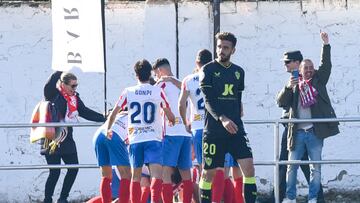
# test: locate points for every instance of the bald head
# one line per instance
(307, 69)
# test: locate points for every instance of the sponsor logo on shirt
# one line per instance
(141, 130)
(228, 90)
(199, 117)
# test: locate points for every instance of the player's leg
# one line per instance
(136, 152)
(105, 184)
(228, 193)
(205, 185)
(197, 141)
(145, 184)
(156, 182)
(213, 157)
(135, 188)
(170, 151)
(124, 187)
(103, 158)
(153, 157)
(218, 184)
(241, 151)
(196, 178)
(238, 184)
(184, 165)
(119, 156)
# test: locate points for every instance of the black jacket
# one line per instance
(51, 93)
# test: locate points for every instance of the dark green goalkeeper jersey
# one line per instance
(222, 88)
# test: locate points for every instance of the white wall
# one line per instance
(137, 30)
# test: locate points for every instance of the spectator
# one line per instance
(282, 168)
(61, 90)
(306, 97)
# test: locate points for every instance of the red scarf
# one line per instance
(307, 93)
(72, 104)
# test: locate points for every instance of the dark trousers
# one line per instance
(55, 173)
(282, 171)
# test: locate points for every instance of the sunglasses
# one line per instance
(287, 62)
(74, 86)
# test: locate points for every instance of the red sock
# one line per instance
(228, 191)
(167, 193)
(124, 190)
(238, 188)
(105, 190)
(155, 187)
(135, 190)
(187, 191)
(145, 193)
(234, 199)
(218, 186)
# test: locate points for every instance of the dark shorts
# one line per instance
(215, 148)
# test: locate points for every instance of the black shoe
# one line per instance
(48, 200)
(62, 201)
(320, 200)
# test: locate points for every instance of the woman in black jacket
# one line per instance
(60, 90)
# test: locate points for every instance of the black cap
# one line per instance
(293, 56)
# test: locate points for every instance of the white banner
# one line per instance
(77, 35)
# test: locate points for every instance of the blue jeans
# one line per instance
(305, 141)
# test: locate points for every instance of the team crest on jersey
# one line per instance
(217, 74)
(237, 75)
(208, 161)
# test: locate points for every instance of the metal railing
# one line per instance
(276, 162)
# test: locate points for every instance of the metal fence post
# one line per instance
(276, 158)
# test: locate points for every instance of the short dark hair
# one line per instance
(204, 56)
(152, 81)
(160, 62)
(143, 70)
(226, 36)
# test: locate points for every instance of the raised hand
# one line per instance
(324, 37)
